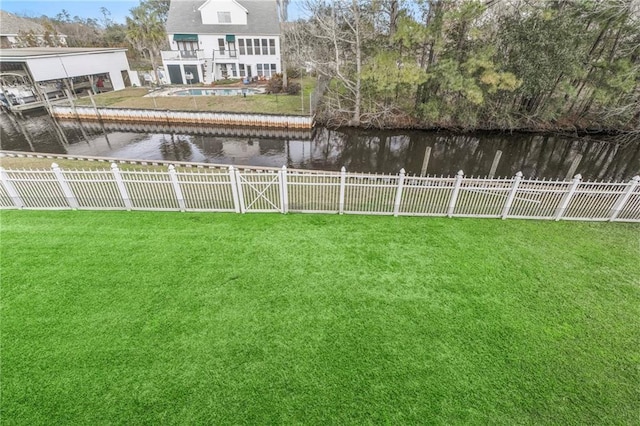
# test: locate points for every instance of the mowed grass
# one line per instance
(261, 103)
(169, 318)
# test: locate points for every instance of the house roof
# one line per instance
(11, 24)
(37, 52)
(262, 19)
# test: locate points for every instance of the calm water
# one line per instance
(478, 154)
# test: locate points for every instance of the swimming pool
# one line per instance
(216, 92)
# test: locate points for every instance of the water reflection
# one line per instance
(440, 153)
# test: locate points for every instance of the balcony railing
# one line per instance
(182, 55)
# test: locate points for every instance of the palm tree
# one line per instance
(146, 33)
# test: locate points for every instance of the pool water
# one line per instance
(215, 92)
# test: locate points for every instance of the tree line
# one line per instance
(493, 64)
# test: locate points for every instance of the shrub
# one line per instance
(275, 84)
(293, 88)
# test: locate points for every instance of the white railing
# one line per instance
(282, 190)
(182, 55)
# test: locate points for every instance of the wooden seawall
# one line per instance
(184, 117)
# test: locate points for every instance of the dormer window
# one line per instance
(224, 17)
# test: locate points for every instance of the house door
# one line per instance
(249, 71)
(175, 75)
(193, 70)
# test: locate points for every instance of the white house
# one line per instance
(218, 39)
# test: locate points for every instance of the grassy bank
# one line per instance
(131, 317)
(261, 103)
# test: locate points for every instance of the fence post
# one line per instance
(512, 195)
(284, 192)
(564, 203)
(234, 189)
(66, 189)
(619, 205)
(121, 187)
(176, 187)
(396, 204)
(343, 182)
(8, 186)
(243, 209)
(454, 194)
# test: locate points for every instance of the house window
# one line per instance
(221, 45)
(273, 69)
(265, 47)
(224, 17)
(234, 70)
(242, 71)
(249, 47)
(260, 73)
(241, 46)
(272, 46)
(256, 45)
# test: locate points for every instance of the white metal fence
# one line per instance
(269, 190)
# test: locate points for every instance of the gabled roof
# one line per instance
(11, 24)
(262, 19)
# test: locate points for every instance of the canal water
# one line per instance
(434, 153)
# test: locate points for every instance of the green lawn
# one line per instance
(154, 318)
(262, 103)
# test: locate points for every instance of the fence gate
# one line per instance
(261, 191)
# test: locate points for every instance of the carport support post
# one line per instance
(11, 191)
(454, 193)
(512, 195)
(66, 189)
(176, 187)
(123, 189)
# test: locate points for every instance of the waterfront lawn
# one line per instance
(262, 103)
(149, 318)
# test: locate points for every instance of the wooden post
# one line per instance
(121, 186)
(564, 203)
(284, 192)
(234, 189)
(243, 208)
(619, 205)
(454, 193)
(512, 195)
(396, 204)
(343, 181)
(11, 190)
(494, 165)
(176, 187)
(425, 161)
(64, 185)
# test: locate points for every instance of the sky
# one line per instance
(84, 8)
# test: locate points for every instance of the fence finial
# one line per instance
(171, 167)
(578, 176)
(284, 168)
(402, 171)
(636, 178)
(343, 169)
(460, 173)
(519, 174)
(114, 166)
(54, 165)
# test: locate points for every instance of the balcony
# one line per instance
(182, 55)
